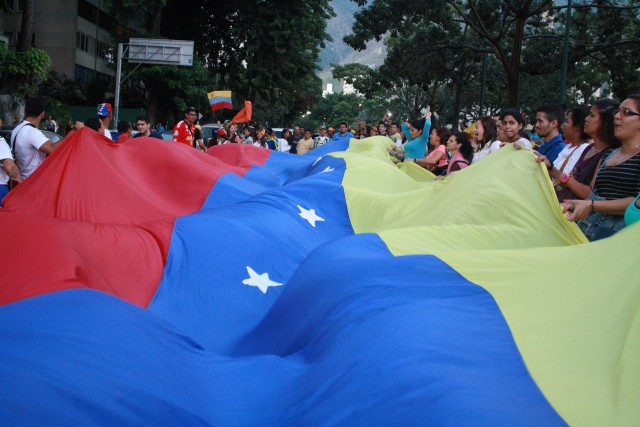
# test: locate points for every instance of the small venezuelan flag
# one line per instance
(219, 99)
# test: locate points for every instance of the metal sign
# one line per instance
(161, 51)
(151, 51)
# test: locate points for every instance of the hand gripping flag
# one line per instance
(243, 115)
(251, 287)
(219, 99)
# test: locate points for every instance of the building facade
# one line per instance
(73, 32)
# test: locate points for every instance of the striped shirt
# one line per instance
(619, 181)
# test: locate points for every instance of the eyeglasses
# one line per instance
(626, 112)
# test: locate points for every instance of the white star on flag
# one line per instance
(260, 281)
(317, 160)
(328, 169)
(309, 215)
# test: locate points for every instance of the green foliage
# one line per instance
(363, 78)
(175, 88)
(149, 9)
(335, 108)
(60, 87)
(439, 44)
(608, 41)
(94, 91)
(265, 51)
(19, 71)
(32, 62)
(59, 112)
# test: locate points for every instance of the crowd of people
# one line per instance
(295, 141)
(592, 153)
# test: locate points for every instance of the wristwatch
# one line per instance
(564, 178)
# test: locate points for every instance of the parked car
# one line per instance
(209, 130)
(5, 132)
(54, 137)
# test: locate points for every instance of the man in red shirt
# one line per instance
(184, 131)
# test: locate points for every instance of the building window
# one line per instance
(83, 74)
(89, 44)
(12, 38)
(97, 16)
(105, 52)
(85, 43)
(88, 11)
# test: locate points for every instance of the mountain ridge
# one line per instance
(338, 52)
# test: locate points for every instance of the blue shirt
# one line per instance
(552, 148)
(338, 137)
(416, 148)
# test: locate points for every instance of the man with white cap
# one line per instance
(322, 138)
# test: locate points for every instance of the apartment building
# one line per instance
(73, 32)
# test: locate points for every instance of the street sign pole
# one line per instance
(116, 107)
(150, 51)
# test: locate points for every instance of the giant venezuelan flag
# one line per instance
(151, 284)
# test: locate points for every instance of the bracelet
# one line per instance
(550, 167)
(591, 205)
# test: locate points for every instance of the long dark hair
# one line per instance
(578, 117)
(418, 124)
(605, 133)
(466, 148)
(260, 138)
(490, 131)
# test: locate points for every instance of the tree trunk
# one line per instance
(26, 32)
(513, 89)
(155, 20)
(513, 73)
(11, 106)
(460, 83)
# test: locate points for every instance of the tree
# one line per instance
(169, 89)
(63, 88)
(523, 35)
(22, 68)
(334, 108)
(605, 52)
(265, 51)
(411, 62)
(26, 30)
